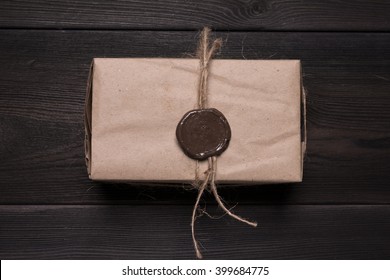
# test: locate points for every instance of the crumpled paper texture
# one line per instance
(138, 102)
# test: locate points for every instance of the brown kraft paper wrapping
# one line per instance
(133, 106)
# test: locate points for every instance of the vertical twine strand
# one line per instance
(205, 52)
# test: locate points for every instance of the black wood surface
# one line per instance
(50, 209)
(159, 232)
(296, 15)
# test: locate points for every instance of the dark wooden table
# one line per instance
(50, 209)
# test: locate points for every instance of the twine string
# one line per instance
(218, 198)
(205, 53)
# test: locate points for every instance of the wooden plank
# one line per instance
(42, 83)
(163, 232)
(271, 15)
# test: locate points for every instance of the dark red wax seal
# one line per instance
(203, 133)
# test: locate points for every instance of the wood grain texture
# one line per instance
(42, 87)
(49, 209)
(163, 232)
(287, 15)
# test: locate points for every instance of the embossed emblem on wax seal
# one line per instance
(203, 133)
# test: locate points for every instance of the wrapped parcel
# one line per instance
(134, 105)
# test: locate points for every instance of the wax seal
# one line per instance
(203, 133)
